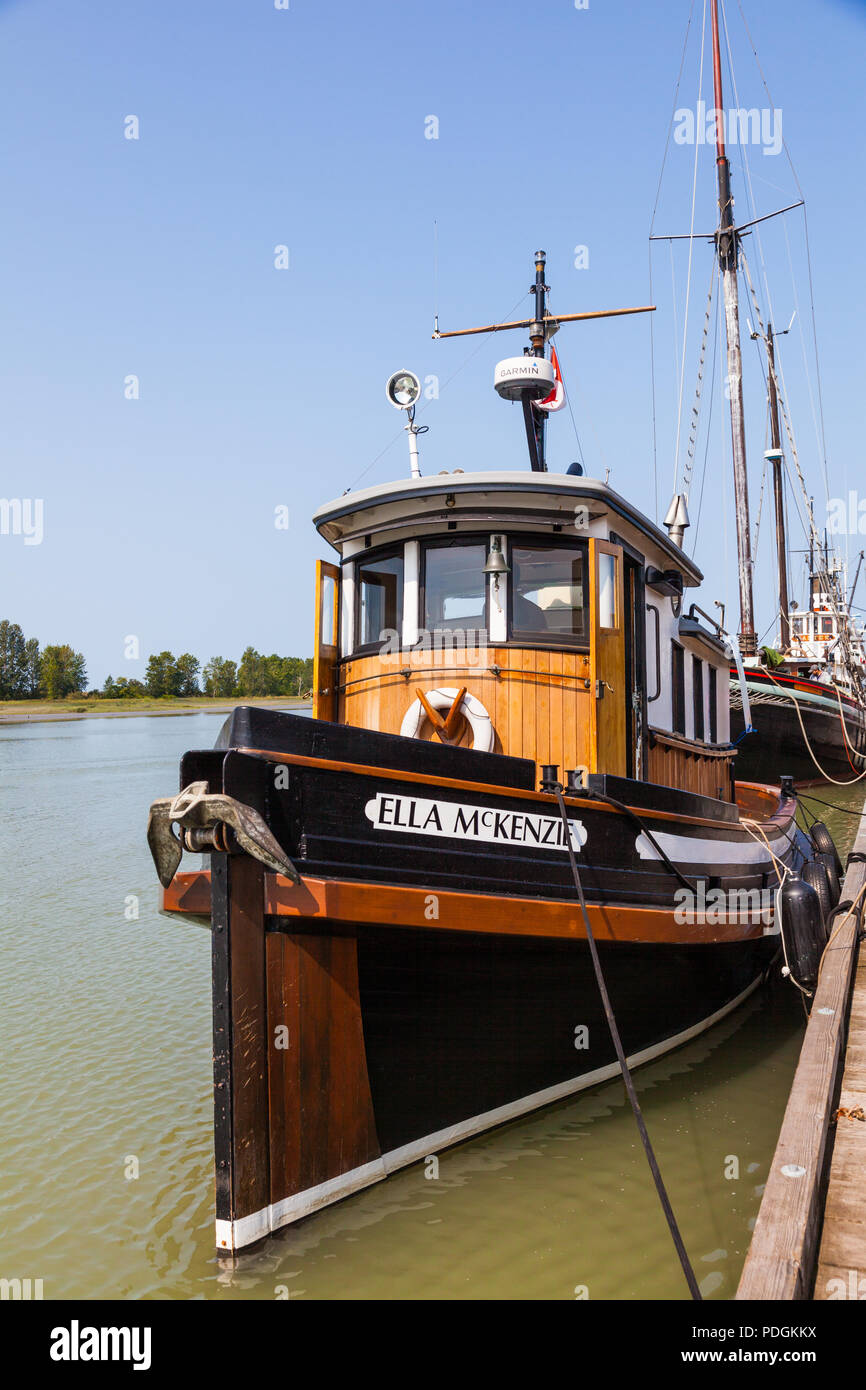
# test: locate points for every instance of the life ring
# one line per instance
(476, 716)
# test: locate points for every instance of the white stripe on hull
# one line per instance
(234, 1235)
(684, 849)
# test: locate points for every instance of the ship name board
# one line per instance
(455, 820)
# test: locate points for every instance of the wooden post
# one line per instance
(782, 1257)
(239, 1044)
(293, 1113)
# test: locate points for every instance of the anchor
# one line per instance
(210, 821)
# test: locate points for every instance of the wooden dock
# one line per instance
(810, 1233)
(842, 1255)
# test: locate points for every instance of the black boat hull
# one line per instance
(428, 976)
(780, 744)
(495, 1026)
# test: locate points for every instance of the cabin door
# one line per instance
(635, 666)
(326, 652)
(611, 692)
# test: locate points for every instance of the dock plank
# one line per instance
(783, 1254)
(842, 1256)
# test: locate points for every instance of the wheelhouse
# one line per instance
(547, 602)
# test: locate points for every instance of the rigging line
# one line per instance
(746, 169)
(676, 318)
(724, 440)
(808, 251)
(691, 256)
(760, 509)
(747, 174)
(422, 408)
(571, 411)
(768, 629)
(826, 776)
(769, 97)
(806, 368)
(764, 469)
(787, 537)
(653, 390)
(694, 426)
(436, 275)
(709, 424)
(672, 119)
(598, 444)
(848, 747)
(623, 1063)
(831, 805)
(811, 530)
(856, 906)
(650, 256)
(815, 350)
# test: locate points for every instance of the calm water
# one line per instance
(107, 1067)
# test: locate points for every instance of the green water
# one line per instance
(107, 1073)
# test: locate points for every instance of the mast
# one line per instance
(727, 244)
(535, 420)
(776, 460)
(854, 585)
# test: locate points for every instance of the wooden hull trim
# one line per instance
(232, 1236)
(337, 905)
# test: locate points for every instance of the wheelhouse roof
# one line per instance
(523, 496)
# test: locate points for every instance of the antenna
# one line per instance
(531, 378)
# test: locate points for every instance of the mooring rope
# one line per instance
(831, 806)
(856, 905)
(747, 825)
(827, 778)
(626, 1073)
(848, 745)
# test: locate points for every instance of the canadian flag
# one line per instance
(556, 399)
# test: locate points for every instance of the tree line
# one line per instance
(178, 677)
(30, 673)
(54, 672)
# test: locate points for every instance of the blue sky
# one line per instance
(262, 387)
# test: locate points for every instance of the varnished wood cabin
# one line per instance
(546, 602)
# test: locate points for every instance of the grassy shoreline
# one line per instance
(42, 711)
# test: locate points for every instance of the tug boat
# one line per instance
(399, 957)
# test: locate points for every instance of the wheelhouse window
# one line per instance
(380, 598)
(827, 625)
(548, 592)
(678, 688)
(698, 695)
(714, 705)
(455, 587)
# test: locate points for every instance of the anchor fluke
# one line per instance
(204, 819)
